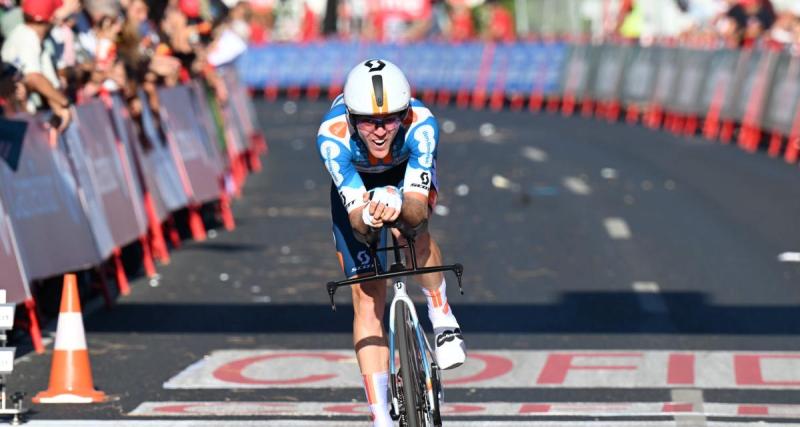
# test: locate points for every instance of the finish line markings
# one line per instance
(355, 423)
(628, 369)
(470, 409)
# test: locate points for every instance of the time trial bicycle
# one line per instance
(415, 386)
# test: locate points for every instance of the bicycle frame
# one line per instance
(401, 297)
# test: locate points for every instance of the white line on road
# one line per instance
(577, 186)
(695, 398)
(352, 423)
(650, 298)
(534, 154)
(686, 404)
(789, 257)
(617, 228)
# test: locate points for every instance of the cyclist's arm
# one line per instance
(422, 139)
(337, 158)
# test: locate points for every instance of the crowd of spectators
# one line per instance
(56, 53)
(731, 23)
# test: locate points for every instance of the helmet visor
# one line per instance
(368, 123)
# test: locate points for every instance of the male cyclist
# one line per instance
(376, 137)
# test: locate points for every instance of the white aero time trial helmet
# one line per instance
(376, 86)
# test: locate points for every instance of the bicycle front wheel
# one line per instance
(411, 372)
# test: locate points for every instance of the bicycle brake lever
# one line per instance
(459, 270)
(331, 291)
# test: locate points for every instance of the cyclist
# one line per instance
(376, 137)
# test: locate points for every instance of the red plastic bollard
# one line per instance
(225, 212)
(147, 258)
(158, 244)
(33, 325)
(632, 114)
(196, 224)
(587, 107)
(443, 99)
(496, 101)
(726, 133)
(792, 148)
(172, 231)
(690, 129)
(122, 278)
(775, 142)
(552, 104)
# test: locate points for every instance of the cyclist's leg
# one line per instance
(450, 348)
(369, 301)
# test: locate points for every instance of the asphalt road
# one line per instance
(611, 273)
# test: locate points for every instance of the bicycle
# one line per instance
(415, 388)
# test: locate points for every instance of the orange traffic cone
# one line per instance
(70, 374)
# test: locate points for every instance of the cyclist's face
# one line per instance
(378, 132)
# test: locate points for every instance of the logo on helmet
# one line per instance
(375, 65)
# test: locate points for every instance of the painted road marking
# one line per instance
(789, 257)
(617, 228)
(355, 423)
(697, 417)
(650, 298)
(577, 186)
(683, 409)
(534, 154)
(228, 369)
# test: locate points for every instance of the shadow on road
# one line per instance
(576, 313)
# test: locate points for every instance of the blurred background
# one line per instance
(732, 22)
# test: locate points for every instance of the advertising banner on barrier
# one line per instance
(610, 66)
(752, 98)
(238, 100)
(666, 78)
(736, 87)
(88, 180)
(43, 201)
(127, 136)
(577, 77)
(719, 79)
(195, 161)
(143, 175)
(160, 161)
(112, 169)
(692, 70)
(14, 282)
(208, 130)
(640, 76)
(784, 93)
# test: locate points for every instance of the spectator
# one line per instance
(12, 91)
(752, 19)
(24, 48)
(461, 24)
(499, 23)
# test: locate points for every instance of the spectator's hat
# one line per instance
(748, 3)
(40, 10)
(190, 8)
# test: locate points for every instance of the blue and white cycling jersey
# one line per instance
(346, 156)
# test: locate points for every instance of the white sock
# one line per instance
(439, 310)
(376, 387)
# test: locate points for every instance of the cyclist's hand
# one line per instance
(385, 206)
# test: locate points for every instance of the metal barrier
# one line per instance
(70, 202)
(686, 90)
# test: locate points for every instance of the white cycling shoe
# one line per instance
(450, 349)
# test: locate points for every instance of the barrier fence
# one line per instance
(748, 94)
(70, 202)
